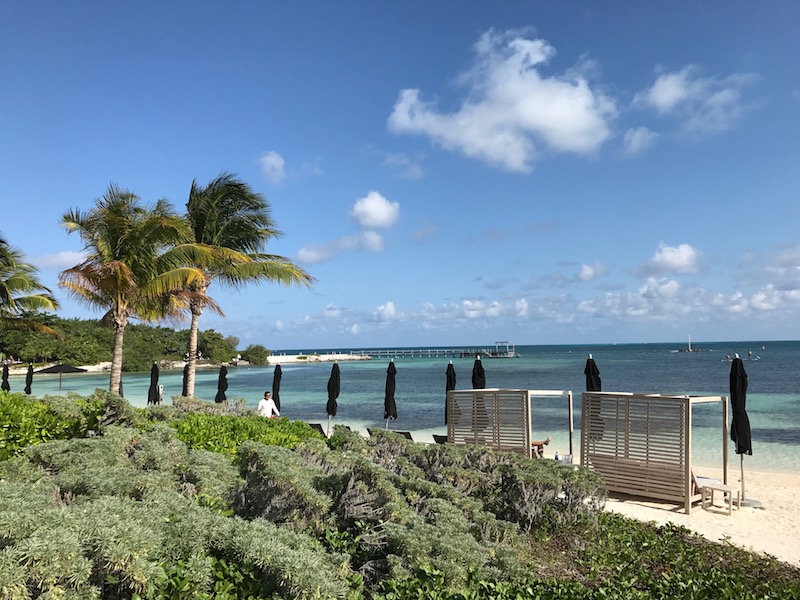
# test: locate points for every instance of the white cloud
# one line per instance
(366, 241)
(59, 260)
(273, 167)
(704, 104)
(404, 166)
(638, 140)
(387, 312)
(511, 107)
(424, 233)
(590, 272)
(521, 308)
(674, 259)
(375, 211)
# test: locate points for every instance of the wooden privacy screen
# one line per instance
(500, 419)
(642, 444)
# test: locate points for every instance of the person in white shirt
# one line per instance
(267, 408)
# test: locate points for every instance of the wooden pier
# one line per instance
(501, 350)
(419, 353)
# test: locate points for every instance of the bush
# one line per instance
(226, 433)
(27, 421)
(136, 512)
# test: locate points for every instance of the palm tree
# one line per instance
(138, 263)
(230, 217)
(21, 292)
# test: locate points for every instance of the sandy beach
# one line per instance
(275, 359)
(772, 529)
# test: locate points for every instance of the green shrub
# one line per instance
(132, 511)
(226, 433)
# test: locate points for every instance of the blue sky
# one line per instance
(450, 173)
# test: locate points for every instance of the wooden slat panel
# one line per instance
(640, 443)
(496, 418)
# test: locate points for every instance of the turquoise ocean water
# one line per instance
(773, 400)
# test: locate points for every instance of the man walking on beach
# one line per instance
(267, 408)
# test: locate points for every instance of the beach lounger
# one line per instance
(439, 439)
(405, 434)
(317, 427)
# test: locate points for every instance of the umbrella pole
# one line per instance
(387, 424)
(741, 462)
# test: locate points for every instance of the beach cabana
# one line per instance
(498, 418)
(642, 443)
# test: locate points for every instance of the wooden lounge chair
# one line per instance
(405, 434)
(317, 427)
(439, 439)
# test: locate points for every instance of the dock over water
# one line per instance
(419, 353)
(501, 350)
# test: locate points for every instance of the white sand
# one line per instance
(773, 529)
(275, 359)
(284, 359)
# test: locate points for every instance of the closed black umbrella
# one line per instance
(60, 369)
(276, 386)
(152, 391)
(450, 384)
(740, 425)
(222, 384)
(185, 388)
(389, 405)
(478, 375)
(334, 384)
(479, 416)
(5, 387)
(592, 373)
(29, 379)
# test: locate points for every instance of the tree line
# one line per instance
(149, 263)
(90, 342)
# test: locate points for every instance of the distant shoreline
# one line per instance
(275, 359)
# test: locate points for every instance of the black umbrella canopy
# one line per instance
(152, 391)
(450, 384)
(334, 384)
(478, 375)
(29, 379)
(222, 384)
(740, 425)
(60, 369)
(593, 383)
(389, 404)
(276, 386)
(5, 387)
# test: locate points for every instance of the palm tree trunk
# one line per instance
(116, 359)
(192, 358)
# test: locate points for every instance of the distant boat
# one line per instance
(690, 349)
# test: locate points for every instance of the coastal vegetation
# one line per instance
(90, 342)
(196, 500)
(149, 264)
(21, 293)
(138, 264)
(234, 222)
